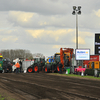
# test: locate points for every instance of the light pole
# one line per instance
(76, 11)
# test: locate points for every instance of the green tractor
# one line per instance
(1, 63)
(37, 66)
(50, 65)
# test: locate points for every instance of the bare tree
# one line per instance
(18, 53)
(38, 55)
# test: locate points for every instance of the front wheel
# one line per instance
(36, 68)
(30, 70)
(57, 68)
(46, 69)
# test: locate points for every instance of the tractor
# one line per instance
(1, 63)
(37, 66)
(50, 65)
(7, 65)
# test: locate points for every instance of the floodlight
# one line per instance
(74, 7)
(79, 7)
(79, 12)
(73, 12)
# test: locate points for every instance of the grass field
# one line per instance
(74, 75)
(5, 98)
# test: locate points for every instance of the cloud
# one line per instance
(86, 34)
(35, 33)
(56, 46)
(82, 35)
(97, 13)
(20, 17)
(10, 38)
(35, 20)
(80, 40)
(47, 36)
(47, 24)
(9, 31)
(40, 6)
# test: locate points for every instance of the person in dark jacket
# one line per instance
(20, 62)
(60, 68)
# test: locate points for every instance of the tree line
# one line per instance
(17, 53)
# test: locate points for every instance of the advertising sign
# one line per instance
(82, 54)
(97, 44)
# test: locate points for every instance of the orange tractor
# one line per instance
(64, 57)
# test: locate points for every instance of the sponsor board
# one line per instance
(82, 54)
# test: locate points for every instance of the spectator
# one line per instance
(20, 66)
(17, 67)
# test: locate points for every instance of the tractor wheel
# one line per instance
(30, 70)
(36, 68)
(45, 69)
(0, 71)
(58, 68)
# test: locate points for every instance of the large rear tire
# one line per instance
(30, 70)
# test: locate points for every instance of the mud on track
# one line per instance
(44, 86)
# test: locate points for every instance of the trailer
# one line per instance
(26, 64)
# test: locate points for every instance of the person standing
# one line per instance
(17, 67)
(20, 62)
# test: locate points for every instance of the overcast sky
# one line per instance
(44, 26)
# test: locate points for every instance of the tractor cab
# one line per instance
(39, 61)
(57, 57)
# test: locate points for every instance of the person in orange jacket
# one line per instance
(17, 67)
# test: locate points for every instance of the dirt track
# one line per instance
(42, 86)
